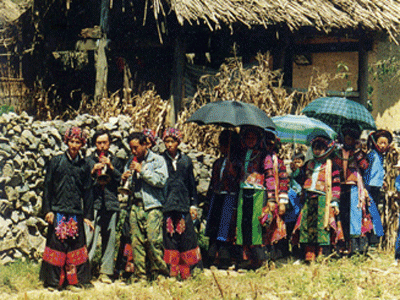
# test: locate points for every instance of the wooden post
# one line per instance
(363, 73)
(177, 81)
(101, 70)
(101, 62)
(288, 66)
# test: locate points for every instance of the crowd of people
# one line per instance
(257, 208)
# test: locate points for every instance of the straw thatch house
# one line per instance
(171, 43)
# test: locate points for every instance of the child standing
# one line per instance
(295, 199)
(321, 181)
(378, 144)
(180, 240)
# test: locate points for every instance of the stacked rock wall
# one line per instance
(26, 146)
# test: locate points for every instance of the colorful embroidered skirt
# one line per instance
(312, 229)
(180, 242)
(65, 258)
(248, 228)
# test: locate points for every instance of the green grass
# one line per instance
(19, 276)
(353, 279)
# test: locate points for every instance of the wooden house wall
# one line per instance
(386, 89)
(329, 63)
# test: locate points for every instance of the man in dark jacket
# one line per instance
(106, 172)
(180, 241)
(67, 204)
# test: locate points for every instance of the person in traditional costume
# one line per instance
(276, 183)
(316, 228)
(181, 251)
(354, 213)
(67, 204)
(378, 144)
(251, 199)
(222, 194)
(151, 137)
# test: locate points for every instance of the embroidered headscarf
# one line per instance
(75, 132)
(151, 135)
(174, 133)
(329, 144)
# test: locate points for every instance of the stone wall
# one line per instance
(26, 146)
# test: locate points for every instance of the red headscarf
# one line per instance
(75, 132)
(151, 135)
(174, 133)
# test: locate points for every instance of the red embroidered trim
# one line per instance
(62, 277)
(174, 271)
(72, 276)
(77, 257)
(54, 257)
(185, 271)
(191, 257)
(171, 257)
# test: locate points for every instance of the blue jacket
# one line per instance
(149, 183)
(374, 174)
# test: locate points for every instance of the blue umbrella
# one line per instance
(336, 111)
(299, 128)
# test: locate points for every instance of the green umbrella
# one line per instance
(299, 128)
(336, 111)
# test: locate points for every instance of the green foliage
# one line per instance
(385, 69)
(4, 109)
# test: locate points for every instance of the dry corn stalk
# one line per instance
(258, 85)
(390, 215)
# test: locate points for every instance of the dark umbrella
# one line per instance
(336, 111)
(231, 113)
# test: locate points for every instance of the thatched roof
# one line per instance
(325, 15)
(11, 10)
